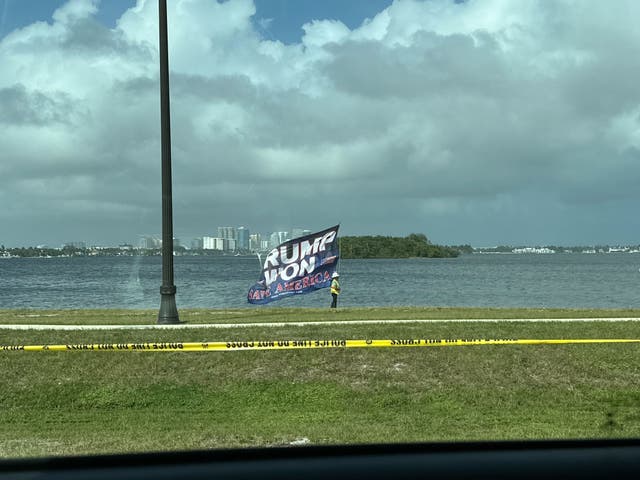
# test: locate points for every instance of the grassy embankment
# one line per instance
(59, 403)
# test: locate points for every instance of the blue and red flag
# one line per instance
(297, 266)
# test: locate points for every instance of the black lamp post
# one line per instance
(168, 311)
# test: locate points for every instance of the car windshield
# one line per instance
(259, 223)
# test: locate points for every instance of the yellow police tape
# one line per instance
(305, 344)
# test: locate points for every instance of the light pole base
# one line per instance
(168, 313)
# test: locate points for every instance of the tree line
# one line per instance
(67, 251)
(414, 245)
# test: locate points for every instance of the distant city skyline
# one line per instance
(270, 239)
(241, 236)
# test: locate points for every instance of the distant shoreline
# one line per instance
(566, 250)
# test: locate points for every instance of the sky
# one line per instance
(481, 122)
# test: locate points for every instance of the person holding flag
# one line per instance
(335, 289)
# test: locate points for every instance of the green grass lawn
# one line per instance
(60, 403)
(276, 314)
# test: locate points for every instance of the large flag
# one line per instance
(297, 266)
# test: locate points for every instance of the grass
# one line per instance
(276, 314)
(107, 402)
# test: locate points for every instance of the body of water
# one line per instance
(555, 280)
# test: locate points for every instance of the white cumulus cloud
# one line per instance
(473, 122)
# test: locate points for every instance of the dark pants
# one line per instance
(334, 302)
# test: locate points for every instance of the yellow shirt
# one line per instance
(335, 286)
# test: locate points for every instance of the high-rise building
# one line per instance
(230, 245)
(154, 242)
(150, 242)
(255, 244)
(277, 238)
(213, 243)
(242, 238)
(227, 232)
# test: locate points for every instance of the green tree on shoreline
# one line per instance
(414, 245)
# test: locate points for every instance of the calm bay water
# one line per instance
(557, 280)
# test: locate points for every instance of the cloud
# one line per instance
(461, 117)
(19, 107)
